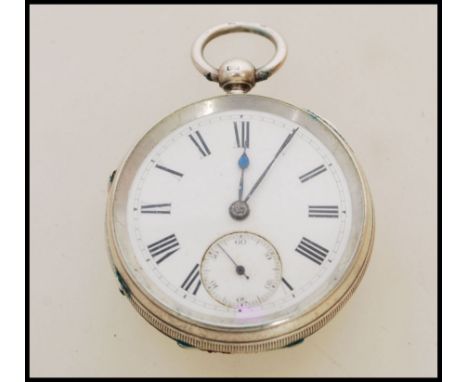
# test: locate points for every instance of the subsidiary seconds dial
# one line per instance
(241, 270)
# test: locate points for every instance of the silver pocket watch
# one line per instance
(239, 223)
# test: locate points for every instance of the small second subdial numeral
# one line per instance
(192, 282)
(312, 250)
(164, 248)
(200, 143)
(323, 212)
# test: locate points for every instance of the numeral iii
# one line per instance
(323, 211)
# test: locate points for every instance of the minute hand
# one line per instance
(284, 144)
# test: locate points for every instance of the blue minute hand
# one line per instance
(284, 144)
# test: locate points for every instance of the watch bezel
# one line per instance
(220, 339)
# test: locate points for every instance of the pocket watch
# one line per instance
(239, 223)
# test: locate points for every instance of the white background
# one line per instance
(294, 361)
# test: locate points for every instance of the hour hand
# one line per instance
(239, 210)
(243, 164)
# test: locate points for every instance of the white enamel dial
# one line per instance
(241, 270)
(190, 193)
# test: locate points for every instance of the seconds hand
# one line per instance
(240, 270)
(285, 143)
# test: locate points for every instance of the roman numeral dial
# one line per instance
(164, 248)
(222, 180)
(312, 251)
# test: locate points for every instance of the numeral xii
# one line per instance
(242, 131)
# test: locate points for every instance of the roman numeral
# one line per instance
(200, 143)
(164, 208)
(309, 175)
(169, 170)
(193, 279)
(164, 248)
(242, 134)
(312, 250)
(287, 284)
(323, 211)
